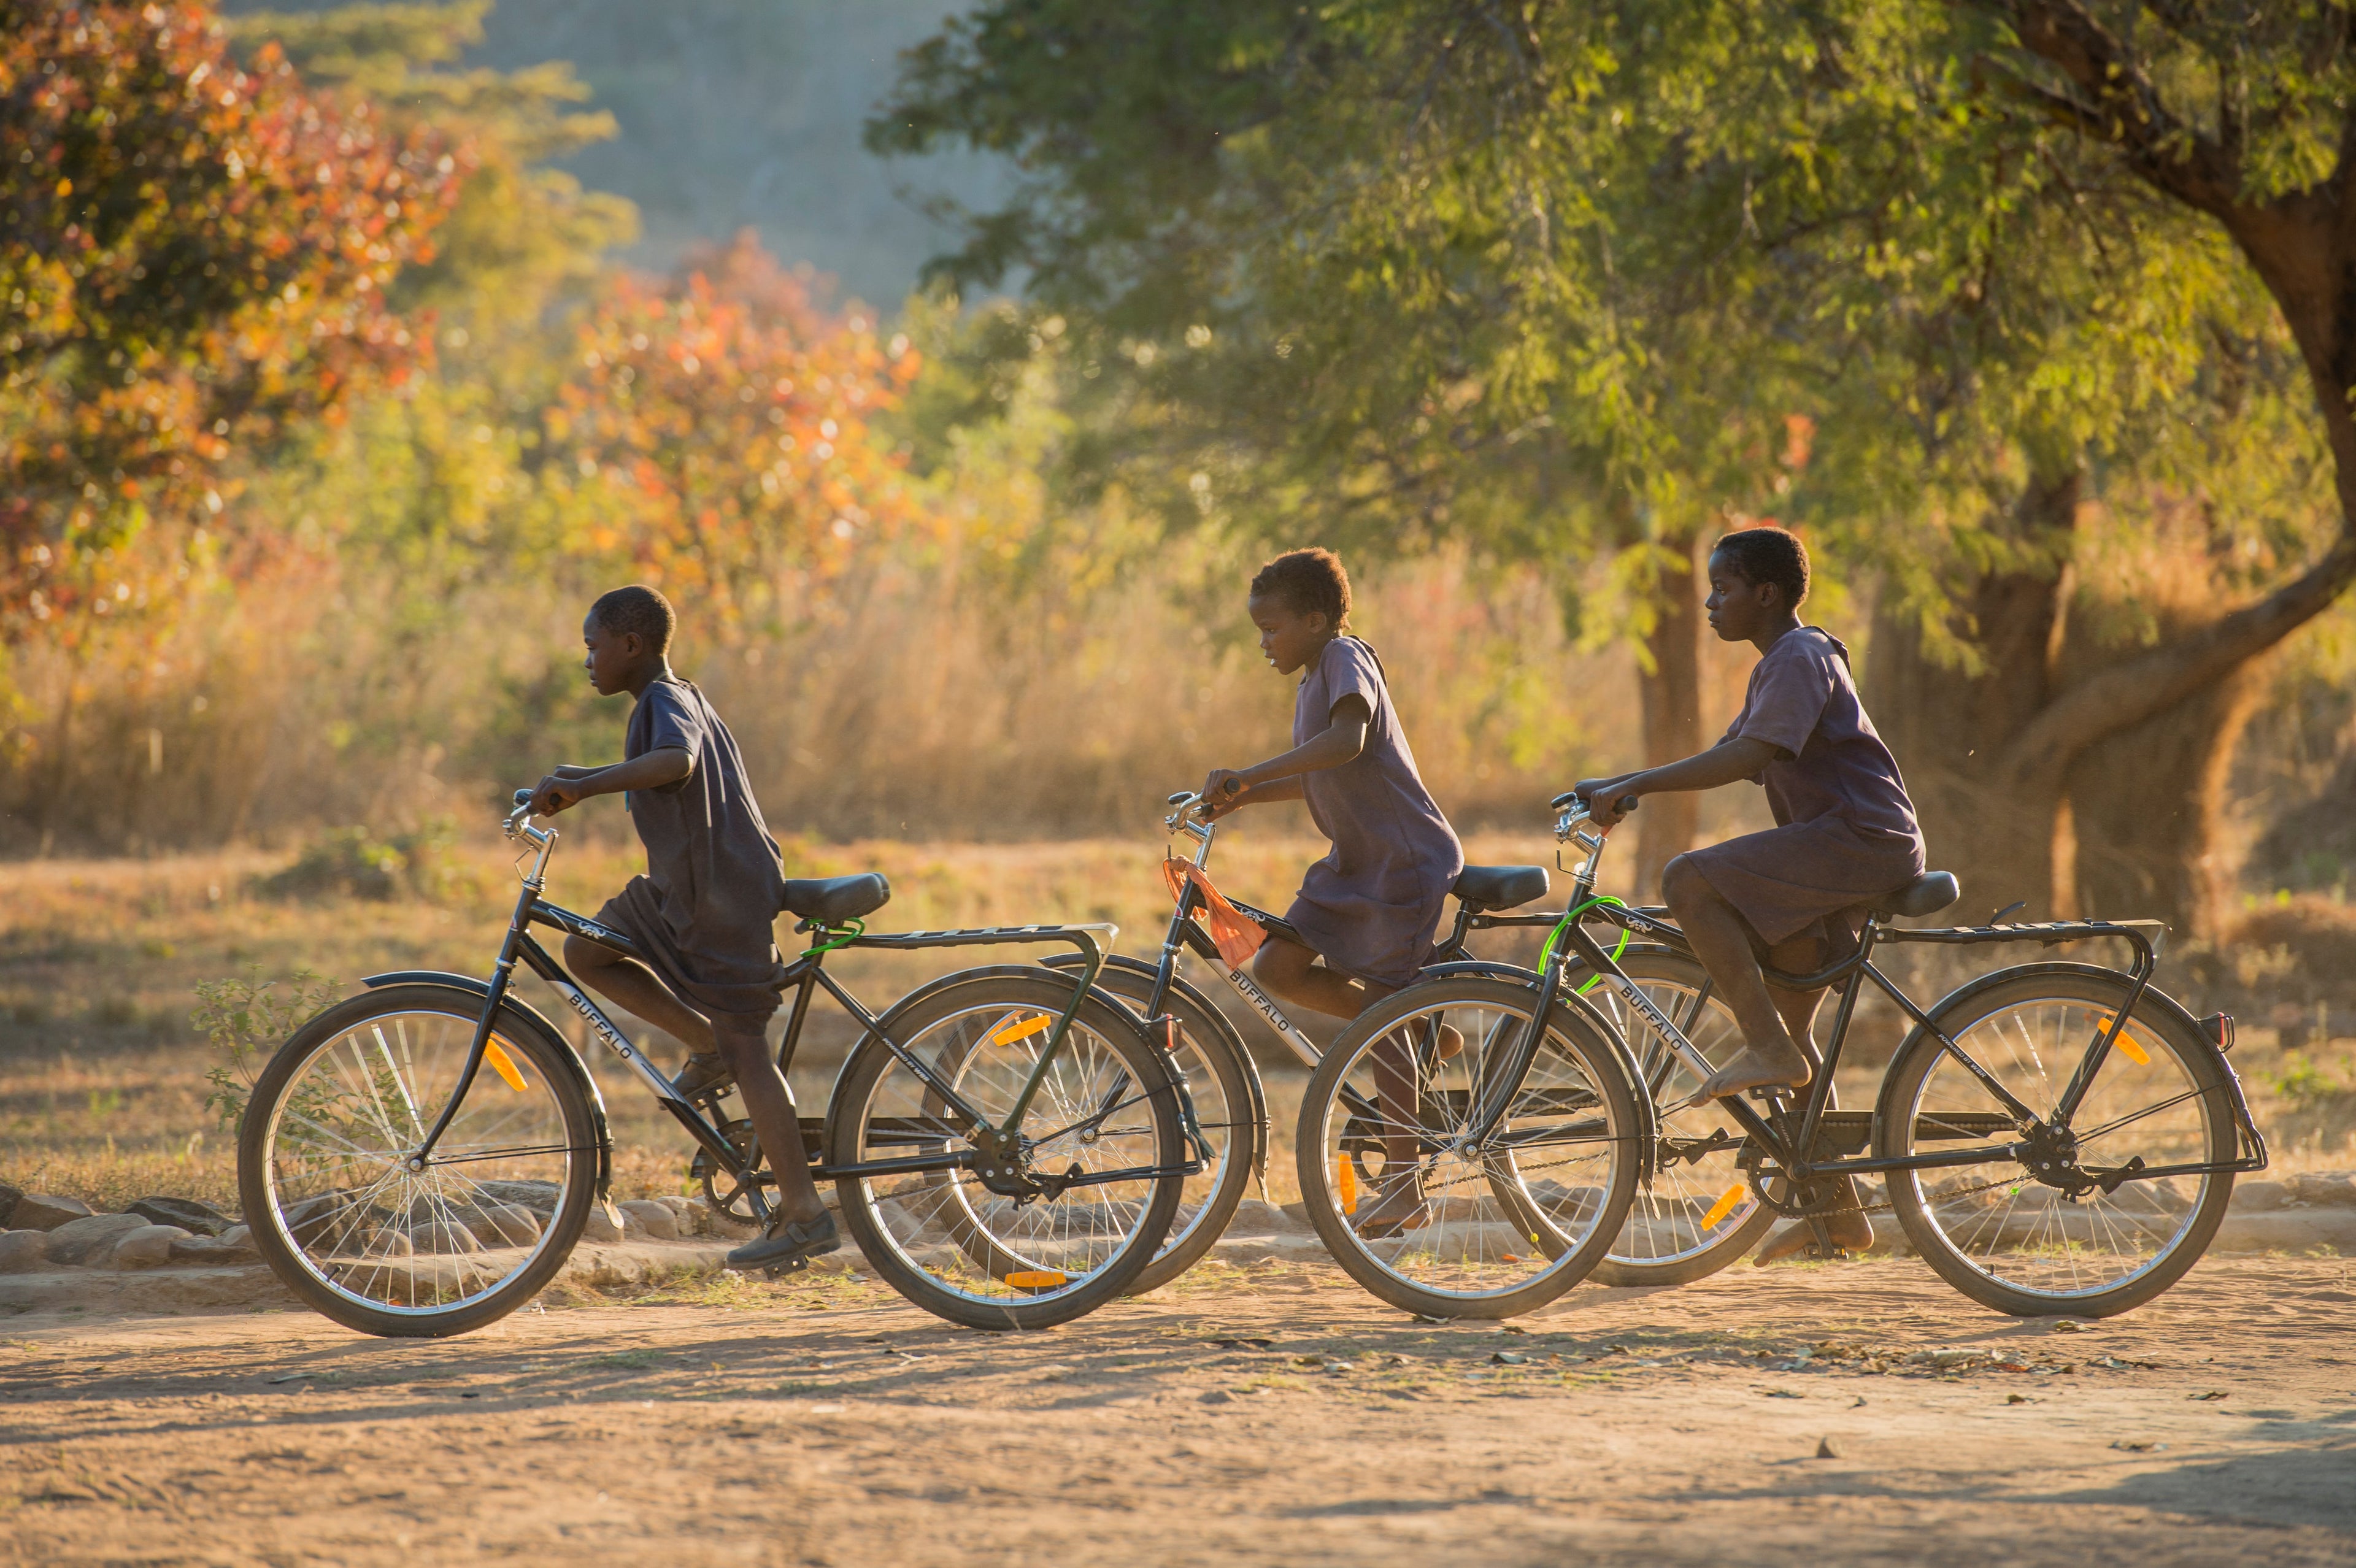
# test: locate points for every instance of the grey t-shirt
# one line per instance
(714, 869)
(1802, 701)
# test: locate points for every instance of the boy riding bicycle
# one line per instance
(703, 911)
(1795, 896)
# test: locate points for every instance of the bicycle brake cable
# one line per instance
(1564, 925)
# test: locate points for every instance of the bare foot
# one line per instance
(1451, 1041)
(1851, 1232)
(1752, 1069)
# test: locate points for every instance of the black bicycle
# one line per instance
(2058, 1137)
(1007, 1147)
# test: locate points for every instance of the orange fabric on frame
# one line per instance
(1235, 934)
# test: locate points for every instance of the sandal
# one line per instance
(705, 1071)
(788, 1248)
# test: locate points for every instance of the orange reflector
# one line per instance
(1723, 1207)
(498, 1061)
(1037, 1279)
(2127, 1044)
(1023, 1030)
(1345, 1183)
(1509, 1257)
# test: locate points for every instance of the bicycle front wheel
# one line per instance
(995, 1232)
(325, 1173)
(1403, 1184)
(1996, 1232)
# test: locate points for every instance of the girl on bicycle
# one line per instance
(1796, 895)
(1369, 909)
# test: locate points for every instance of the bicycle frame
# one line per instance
(803, 976)
(1791, 1149)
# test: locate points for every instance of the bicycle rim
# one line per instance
(1104, 1108)
(391, 1244)
(2034, 1244)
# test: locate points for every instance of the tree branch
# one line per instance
(2127, 694)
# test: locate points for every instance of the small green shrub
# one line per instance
(244, 1021)
(2304, 1085)
(353, 862)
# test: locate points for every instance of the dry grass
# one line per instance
(101, 1077)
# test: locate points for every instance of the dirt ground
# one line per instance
(1270, 1413)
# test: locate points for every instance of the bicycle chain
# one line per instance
(1886, 1207)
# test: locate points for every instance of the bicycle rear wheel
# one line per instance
(1099, 1144)
(1408, 1204)
(1998, 1234)
(340, 1215)
(1217, 1070)
(1698, 1213)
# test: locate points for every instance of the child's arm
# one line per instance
(1278, 778)
(569, 785)
(1727, 763)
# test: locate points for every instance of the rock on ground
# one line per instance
(212, 1250)
(21, 1252)
(149, 1246)
(645, 1217)
(603, 1225)
(40, 1211)
(8, 1197)
(86, 1240)
(506, 1224)
(199, 1219)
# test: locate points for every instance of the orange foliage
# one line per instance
(192, 257)
(723, 425)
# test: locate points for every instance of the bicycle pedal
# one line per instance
(791, 1266)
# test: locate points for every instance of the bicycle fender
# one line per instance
(1229, 1035)
(1648, 1113)
(530, 1016)
(2168, 1007)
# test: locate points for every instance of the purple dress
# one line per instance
(1370, 907)
(1846, 831)
(703, 913)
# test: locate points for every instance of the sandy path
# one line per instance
(830, 1423)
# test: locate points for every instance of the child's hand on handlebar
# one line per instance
(1607, 801)
(553, 795)
(1223, 791)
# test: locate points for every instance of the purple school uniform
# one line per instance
(1845, 832)
(1370, 907)
(704, 912)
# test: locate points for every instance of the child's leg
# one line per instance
(769, 1103)
(1286, 970)
(1723, 942)
(631, 986)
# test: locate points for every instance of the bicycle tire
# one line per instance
(1478, 1264)
(929, 1232)
(299, 1210)
(2049, 1007)
(1211, 1055)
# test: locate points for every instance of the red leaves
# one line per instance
(190, 253)
(724, 420)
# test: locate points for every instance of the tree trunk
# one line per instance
(1670, 694)
(2149, 808)
(1948, 729)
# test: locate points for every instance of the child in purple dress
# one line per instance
(1796, 895)
(1368, 910)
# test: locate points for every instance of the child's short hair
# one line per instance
(1769, 555)
(1307, 580)
(637, 609)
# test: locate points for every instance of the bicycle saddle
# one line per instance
(1500, 886)
(831, 899)
(1926, 894)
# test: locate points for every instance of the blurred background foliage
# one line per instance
(1517, 315)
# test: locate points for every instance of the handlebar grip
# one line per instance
(1232, 788)
(1628, 804)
